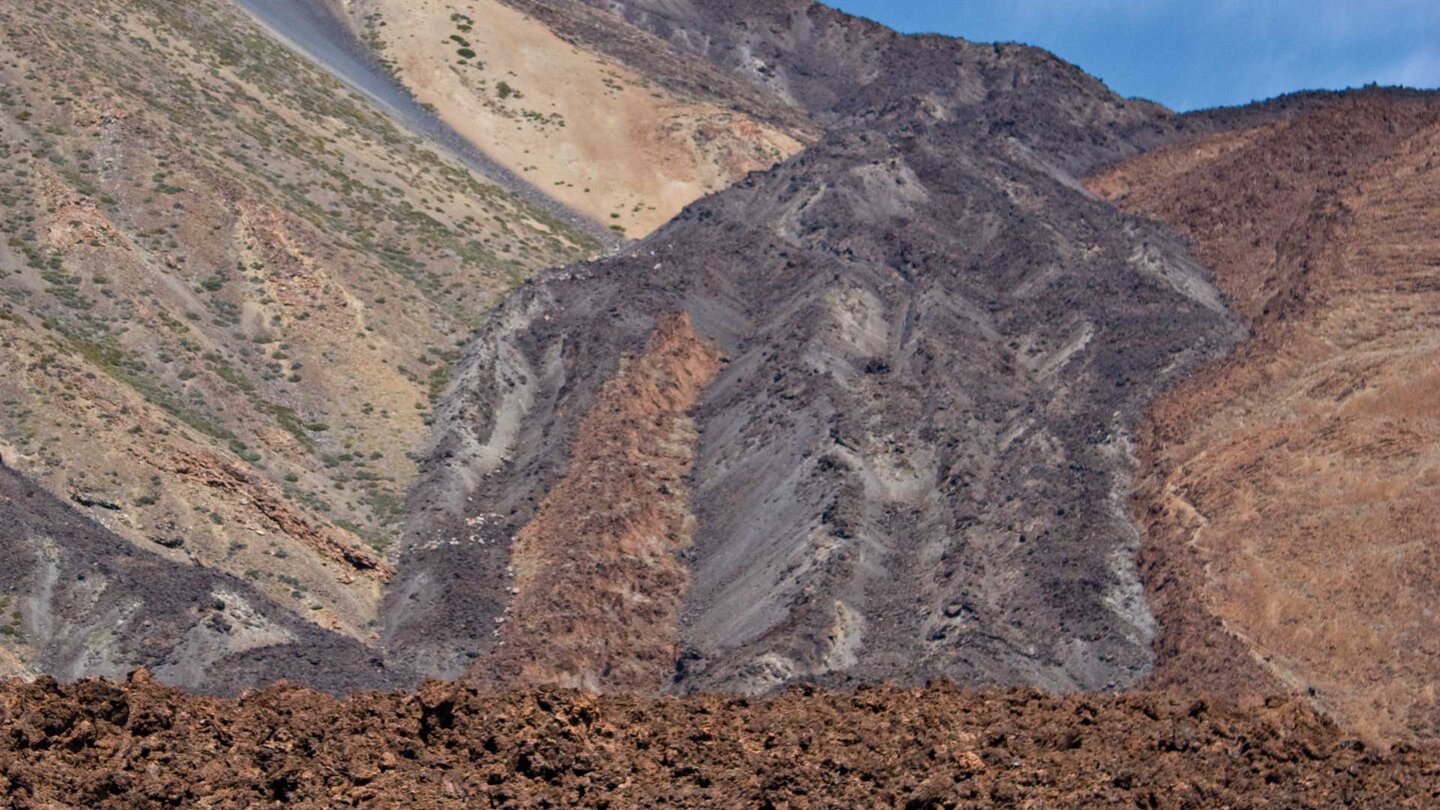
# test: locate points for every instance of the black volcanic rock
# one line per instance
(84, 602)
(840, 68)
(916, 459)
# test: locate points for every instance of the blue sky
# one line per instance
(1188, 54)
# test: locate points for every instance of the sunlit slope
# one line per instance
(229, 291)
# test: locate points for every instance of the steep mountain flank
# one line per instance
(836, 67)
(228, 291)
(596, 577)
(282, 398)
(598, 133)
(915, 459)
(322, 33)
(1291, 493)
(77, 600)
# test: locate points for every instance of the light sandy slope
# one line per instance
(228, 291)
(582, 127)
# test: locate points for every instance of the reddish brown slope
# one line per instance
(597, 582)
(1291, 494)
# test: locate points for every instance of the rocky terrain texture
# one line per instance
(323, 34)
(539, 87)
(873, 412)
(608, 534)
(229, 291)
(1290, 494)
(105, 745)
(915, 459)
(77, 600)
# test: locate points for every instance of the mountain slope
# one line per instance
(1289, 492)
(78, 600)
(914, 460)
(228, 289)
(540, 89)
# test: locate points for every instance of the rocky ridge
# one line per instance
(231, 292)
(929, 270)
(1288, 492)
(867, 414)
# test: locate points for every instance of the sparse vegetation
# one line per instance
(10, 621)
(199, 297)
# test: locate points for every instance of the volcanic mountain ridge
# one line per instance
(867, 414)
(915, 459)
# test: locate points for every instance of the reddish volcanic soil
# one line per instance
(1290, 494)
(597, 583)
(96, 744)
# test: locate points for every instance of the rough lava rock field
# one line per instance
(104, 745)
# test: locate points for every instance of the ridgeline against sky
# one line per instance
(1192, 55)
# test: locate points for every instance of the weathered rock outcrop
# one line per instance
(77, 600)
(916, 459)
(596, 576)
(1291, 494)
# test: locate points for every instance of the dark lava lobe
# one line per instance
(88, 603)
(916, 459)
